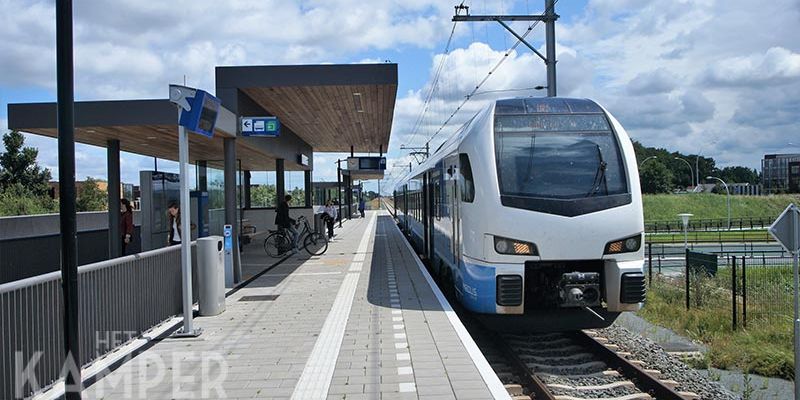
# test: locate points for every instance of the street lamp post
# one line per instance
(728, 192)
(685, 221)
(646, 159)
(691, 172)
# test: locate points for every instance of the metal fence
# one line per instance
(746, 288)
(119, 300)
(676, 226)
(718, 236)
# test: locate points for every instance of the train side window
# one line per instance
(468, 184)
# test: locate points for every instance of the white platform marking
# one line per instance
(318, 371)
(407, 387)
(404, 371)
(487, 373)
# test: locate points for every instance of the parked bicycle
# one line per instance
(279, 242)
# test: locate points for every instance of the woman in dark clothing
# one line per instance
(174, 225)
(283, 220)
(125, 223)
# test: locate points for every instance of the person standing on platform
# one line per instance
(282, 220)
(125, 224)
(174, 213)
(330, 217)
(361, 206)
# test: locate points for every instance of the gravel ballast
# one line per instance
(654, 357)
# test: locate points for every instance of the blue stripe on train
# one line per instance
(475, 284)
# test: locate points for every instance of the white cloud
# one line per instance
(776, 65)
(686, 75)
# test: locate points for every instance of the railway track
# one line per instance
(579, 365)
(569, 366)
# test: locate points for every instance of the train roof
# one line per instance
(514, 106)
(546, 105)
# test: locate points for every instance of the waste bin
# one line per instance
(319, 224)
(210, 275)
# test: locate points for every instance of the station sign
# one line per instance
(201, 116)
(366, 163)
(260, 126)
(302, 159)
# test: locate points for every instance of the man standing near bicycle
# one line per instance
(283, 221)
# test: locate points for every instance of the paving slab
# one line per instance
(359, 322)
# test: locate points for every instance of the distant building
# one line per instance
(781, 173)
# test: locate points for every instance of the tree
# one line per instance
(18, 166)
(262, 196)
(655, 178)
(90, 197)
(739, 175)
(298, 197)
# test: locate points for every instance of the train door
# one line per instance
(426, 211)
(431, 212)
(405, 209)
(452, 190)
(436, 213)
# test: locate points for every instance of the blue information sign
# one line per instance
(203, 114)
(260, 126)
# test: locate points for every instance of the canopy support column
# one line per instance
(229, 145)
(114, 234)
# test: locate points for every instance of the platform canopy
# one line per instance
(330, 107)
(146, 127)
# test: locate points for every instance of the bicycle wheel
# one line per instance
(276, 244)
(315, 243)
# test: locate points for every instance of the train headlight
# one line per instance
(627, 245)
(512, 246)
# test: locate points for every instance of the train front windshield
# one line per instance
(558, 156)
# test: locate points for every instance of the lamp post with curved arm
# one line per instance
(646, 159)
(728, 198)
(691, 172)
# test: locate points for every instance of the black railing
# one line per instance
(676, 226)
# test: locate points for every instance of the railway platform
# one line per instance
(362, 321)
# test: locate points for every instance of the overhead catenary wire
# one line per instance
(434, 85)
(474, 92)
(500, 62)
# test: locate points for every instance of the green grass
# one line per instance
(764, 347)
(663, 207)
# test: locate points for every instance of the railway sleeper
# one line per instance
(612, 385)
(571, 349)
(609, 373)
(559, 360)
(634, 396)
(573, 369)
(514, 389)
(539, 342)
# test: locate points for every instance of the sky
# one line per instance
(715, 77)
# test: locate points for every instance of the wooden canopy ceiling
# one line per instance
(330, 107)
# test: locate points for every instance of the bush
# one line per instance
(19, 200)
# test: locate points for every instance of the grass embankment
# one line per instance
(666, 207)
(764, 347)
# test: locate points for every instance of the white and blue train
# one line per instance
(531, 215)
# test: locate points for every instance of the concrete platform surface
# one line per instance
(359, 322)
